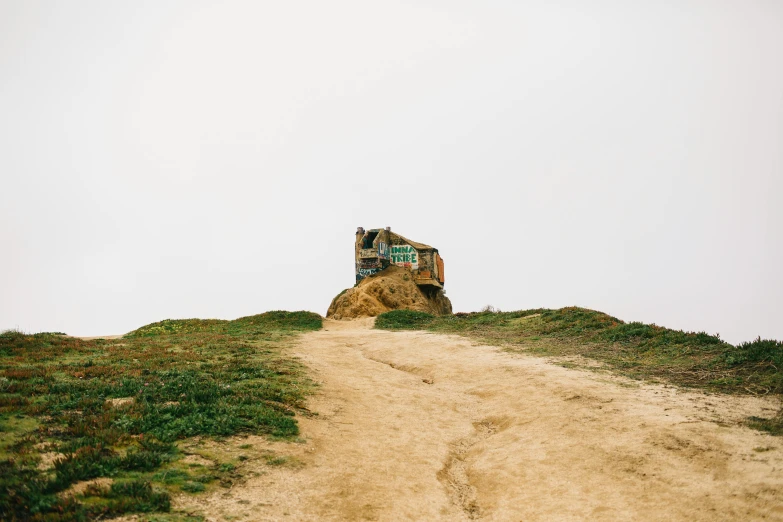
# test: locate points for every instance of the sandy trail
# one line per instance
(418, 426)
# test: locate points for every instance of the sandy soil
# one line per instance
(418, 426)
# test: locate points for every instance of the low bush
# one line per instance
(403, 320)
(758, 351)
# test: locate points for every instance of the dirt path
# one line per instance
(417, 426)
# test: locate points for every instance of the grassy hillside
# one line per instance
(634, 349)
(72, 410)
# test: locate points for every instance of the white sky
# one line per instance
(172, 159)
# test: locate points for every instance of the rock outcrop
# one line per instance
(390, 289)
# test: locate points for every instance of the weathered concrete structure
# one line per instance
(378, 248)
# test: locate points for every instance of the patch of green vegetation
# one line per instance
(403, 320)
(115, 408)
(14, 428)
(179, 326)
(275, 460)
(773, 426)
(760, 351)
(280, 321)
(128, 496)
(638, 350)
(172, 476)
(266, 322)
(193, 487)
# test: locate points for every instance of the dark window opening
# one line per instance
(369, 237)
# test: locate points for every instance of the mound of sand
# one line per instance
(391, 289)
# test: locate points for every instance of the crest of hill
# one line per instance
(390, 289)
(275, 320)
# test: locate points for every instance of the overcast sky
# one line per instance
(175, 159)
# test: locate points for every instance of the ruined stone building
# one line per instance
(378, 248)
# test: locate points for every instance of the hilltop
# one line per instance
(293, 416)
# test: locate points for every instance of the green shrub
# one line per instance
(132, 496)
(179, 326)
(85, 463)
(651, 335)
(23, 492)
(301, 321)
(574, 321)
(403, 320)
(268, 321)
(758, 351)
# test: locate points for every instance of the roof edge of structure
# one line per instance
(414, 244)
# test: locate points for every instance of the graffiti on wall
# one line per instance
(364, 272)
(369, 263)
(383, 250)
(367, 267)
(405, 255)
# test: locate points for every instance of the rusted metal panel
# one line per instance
(439, 262)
